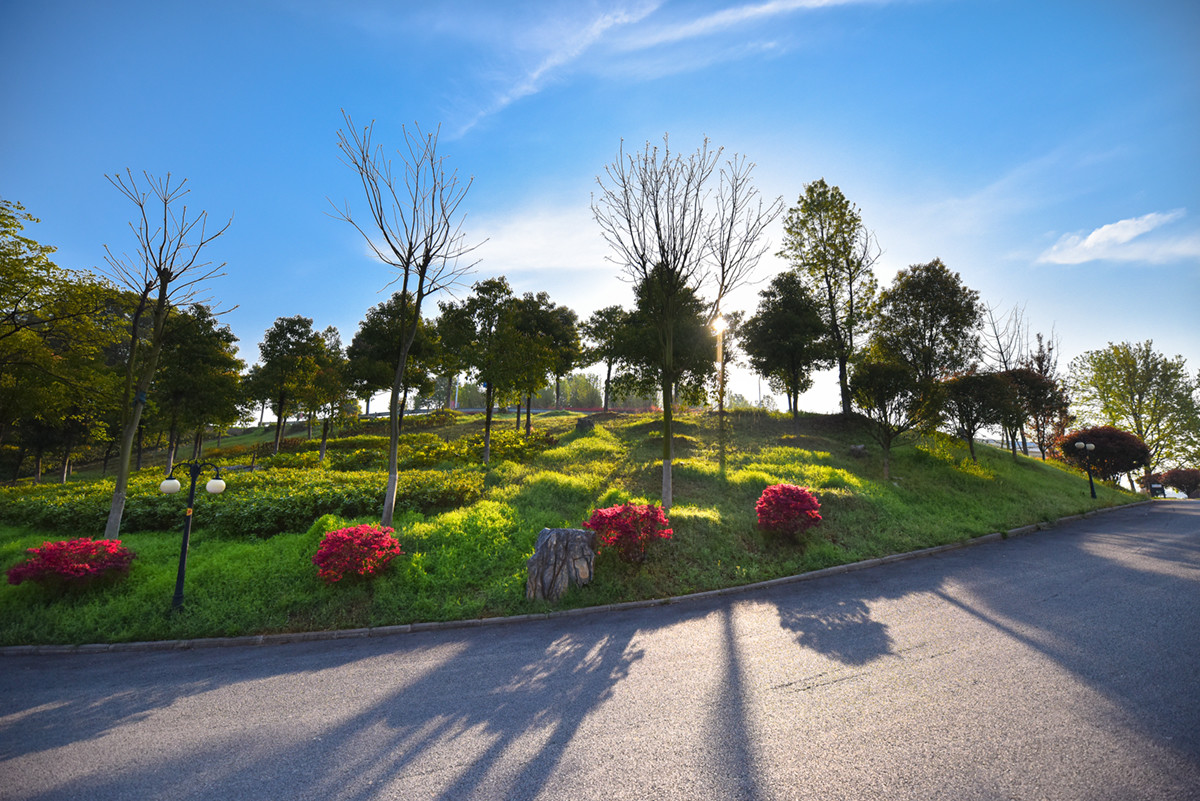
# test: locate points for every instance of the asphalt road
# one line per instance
(1060, 665)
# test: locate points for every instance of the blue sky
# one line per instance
(1048, 151)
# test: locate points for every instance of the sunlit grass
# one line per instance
(469, 561)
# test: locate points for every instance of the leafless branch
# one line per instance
(414, 220)
(168, 251)
(735, 237)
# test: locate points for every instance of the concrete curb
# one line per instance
(411, 628)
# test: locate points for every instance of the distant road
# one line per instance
(1060, 665)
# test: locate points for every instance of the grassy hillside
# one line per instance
(469, 561)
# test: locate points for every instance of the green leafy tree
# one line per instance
(834, 255)
(290, 356)
(929, 320)
(329, 396)
(165, 272)
(493, 360)
(453, 330)
(534, 330)
(414, 225)
(977, 400)
(787, 338)
(56, 329)
(891, 398)
(603, 331)
(642, 368)
(375, 351)
(675, 241)
(1043, 404)
(199, 382)
(1134, 387)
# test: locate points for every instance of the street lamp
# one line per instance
(1087, 448)
(170, 486)
(718, 326)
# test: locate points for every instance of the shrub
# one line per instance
(629, 528)
(1116, 451)
(363, 550)
(787, 510)
(75, 562)
(1184, 479)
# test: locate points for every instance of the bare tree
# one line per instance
(413, 225)
(164, 272)
(674, 240)
(1004, 343)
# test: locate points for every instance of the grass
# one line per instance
(469, 562)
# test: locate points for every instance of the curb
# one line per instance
(412, 628)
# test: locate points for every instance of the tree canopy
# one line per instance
(834, 255)
(1134, 387)
(787, 338)
(929, 320)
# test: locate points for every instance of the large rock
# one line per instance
(562, 558)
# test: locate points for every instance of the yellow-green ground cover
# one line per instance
(466, 529)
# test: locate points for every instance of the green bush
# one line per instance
(254, 504)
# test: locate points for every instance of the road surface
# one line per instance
(1060, 665)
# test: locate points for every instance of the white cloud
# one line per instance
(1126, 240)
(609, 42)
(561, 51)
(721, 21)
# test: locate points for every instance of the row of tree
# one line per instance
(88, 357)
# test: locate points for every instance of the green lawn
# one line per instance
(468, 561)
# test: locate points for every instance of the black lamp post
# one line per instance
(1087, 449)
(170, 486)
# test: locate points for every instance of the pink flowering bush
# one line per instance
(787, 509)
(363, 550)
(629, 528)
(73, 562)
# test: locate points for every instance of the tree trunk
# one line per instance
(37, 466)
(449, 392)
(280, 422)
(66, 465)
(172, 445)
(557, 392)
(403, 406)
(487, 423)
(20, 459)
(668, 446)
(324, 438)
(528, 415)
(844, 384)
(139, 445)
(607, 383)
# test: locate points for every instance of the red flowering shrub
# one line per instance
(365, 550)
(629, 528)
(787, 509)
(74, 562)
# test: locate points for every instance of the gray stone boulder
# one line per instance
(562, 558)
